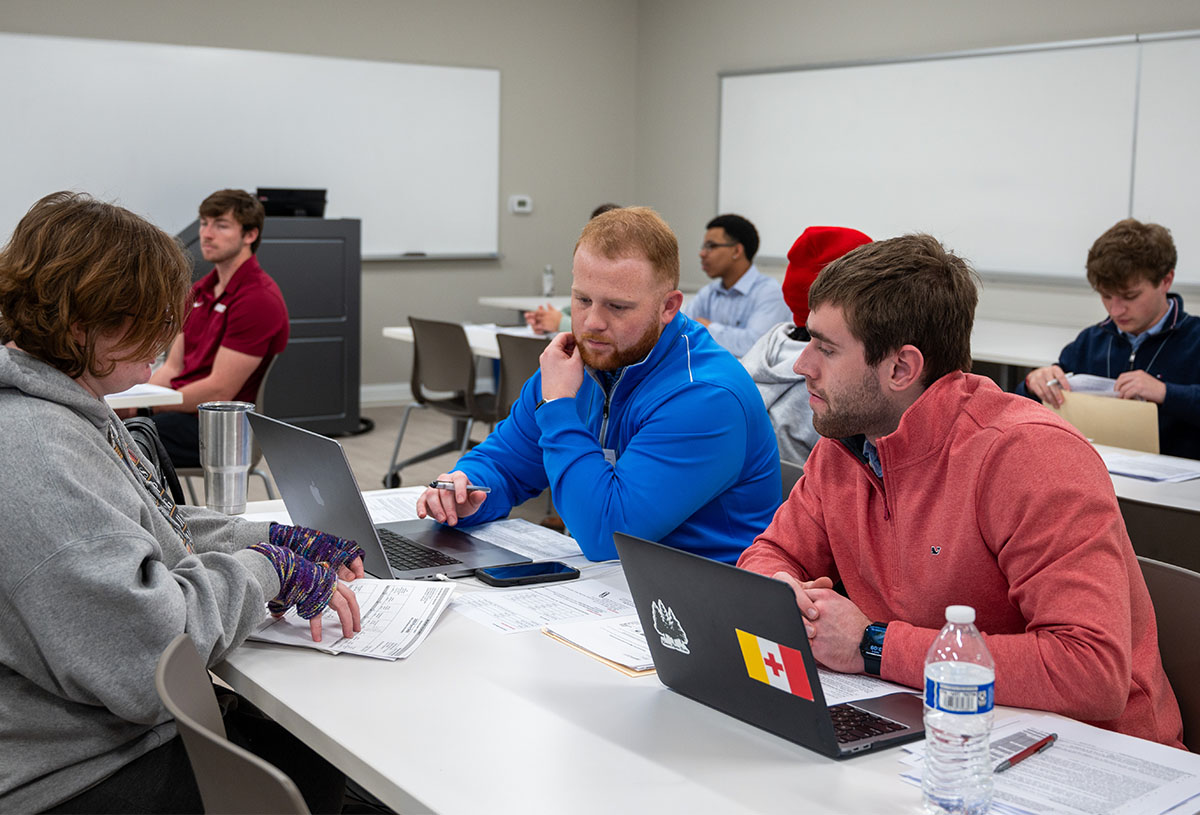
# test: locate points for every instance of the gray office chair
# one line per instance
(1174, 590)
(443, 379)
(231, 779)
(790, 472)
(186, 474)
(519, 360)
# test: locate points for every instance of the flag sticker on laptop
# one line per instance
(774, 664)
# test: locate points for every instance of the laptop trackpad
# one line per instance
(903, 707)
(456, 542)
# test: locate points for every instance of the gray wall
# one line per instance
(600, 100)
(684, 44)
(566, 132)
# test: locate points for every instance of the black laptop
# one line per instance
(735, 641)
(320, 492)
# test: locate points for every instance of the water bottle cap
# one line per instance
(960, 614)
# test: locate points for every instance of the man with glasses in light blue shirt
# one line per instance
(741, 303)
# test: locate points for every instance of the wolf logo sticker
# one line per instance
(669, 630)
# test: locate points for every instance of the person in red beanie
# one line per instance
(770, 359)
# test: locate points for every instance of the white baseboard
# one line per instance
(385, 394)
(388, 394)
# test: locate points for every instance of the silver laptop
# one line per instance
(734, 640)
(320, 492)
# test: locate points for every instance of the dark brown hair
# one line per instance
(1130, 250)
(247, 211)
(75, 262)
(904, 291)
(634, 231)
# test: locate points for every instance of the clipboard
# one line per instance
(1127, 423)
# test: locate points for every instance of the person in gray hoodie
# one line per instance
(99, 570)
(771, 359)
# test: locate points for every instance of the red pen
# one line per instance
(1037, 747)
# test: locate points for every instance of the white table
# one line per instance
(1163, 519)
(477, 722)
(525, 302)
(146, 395)
(482, 338)
(1028, 345)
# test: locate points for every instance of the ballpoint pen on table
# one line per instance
(1037, 747)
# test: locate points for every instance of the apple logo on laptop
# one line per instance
(316, 493)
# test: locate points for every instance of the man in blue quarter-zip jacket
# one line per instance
(637, 420)
(1148, 344)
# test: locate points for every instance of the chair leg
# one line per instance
(466, 437)
(392, 468)
(187, 480)
(266, 479)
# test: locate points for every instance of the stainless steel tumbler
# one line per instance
(225, 454)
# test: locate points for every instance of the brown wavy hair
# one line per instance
(1128, 252)
(633, 231)
(904, 291)
(247, 211)
(77, 263)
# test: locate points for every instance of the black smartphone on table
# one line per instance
(524, 574)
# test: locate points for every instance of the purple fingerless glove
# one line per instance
(318, 547)
(306, 585)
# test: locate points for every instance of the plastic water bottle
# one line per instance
(547, 281)
(960, 679)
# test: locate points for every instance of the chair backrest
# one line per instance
(230, 778)
(1174, 590)
(790, 472)
(260, 402)
(519, 360)
(442, 360)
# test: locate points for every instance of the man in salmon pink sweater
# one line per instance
(931, 487)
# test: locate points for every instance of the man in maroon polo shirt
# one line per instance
(238, 323)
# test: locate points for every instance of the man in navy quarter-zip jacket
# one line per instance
(637, 419)
(1148, 343)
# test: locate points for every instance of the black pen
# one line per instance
(1037, 747)
(449, 485)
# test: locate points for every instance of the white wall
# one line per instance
(566, 132)
(600, 100)
(684, 44)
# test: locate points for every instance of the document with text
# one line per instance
(616, 641)
(1087, 771)
(396, 617)
(509, 611)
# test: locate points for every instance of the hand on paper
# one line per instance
(562, 368)
(1038, 382)
(346, 605)
(447, 506)
(1141, 385)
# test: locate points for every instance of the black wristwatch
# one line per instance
(871, 647)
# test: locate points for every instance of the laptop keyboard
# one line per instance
(851, 723)
(405, 554)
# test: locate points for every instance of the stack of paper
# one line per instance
(618, 642)
(396, 616)
(1151, 467)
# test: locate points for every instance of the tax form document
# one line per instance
(1087, 770)
(396, 617)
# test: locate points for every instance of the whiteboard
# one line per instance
(1166, 188)
(412, 150)
(1017, 161)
